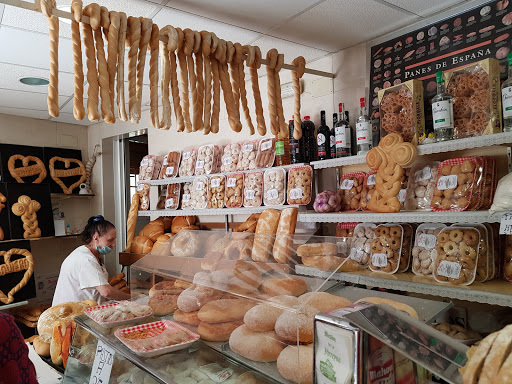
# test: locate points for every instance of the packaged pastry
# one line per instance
(345, 229)
(491, 253)
(478, 185)
(266, 153)
(247, 157)
(494, 249)
(143, 192)
(188, 162)
(186, 202)
(401, 111)
(173, 196)
(424, 252)
(159, 160)
(454, 184)
(420, 189)
(274, 186)
(253, 189)
(351, 186)
(482, 266)
(230, 156)
(216, 191)
(234, 190)
(457, 255)
(162, 196)
(300, 181)
(405, 253)
(476, 105)
(148, 165)
(199, 193)
(386, 248)
(364, 234)
(507, 258)
(404, 181)
(368, 188)
(208, 159)
(170, 165)
(489, 182)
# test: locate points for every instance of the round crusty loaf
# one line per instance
(256, 346)
(224, 310)
(182, 221)
(41, 347)
(163, 304)
(163, 244)
(192, 299)
(218, 331)
(293, 286)
(141, 244)
(297, 369)
(263, 317)
(323, 301)
(165, 288)
(167, 222)
(395, 304)
(153, 230)
(186, 317)
(293, 321)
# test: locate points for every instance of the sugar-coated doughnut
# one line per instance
(256, 346)
(295, 363)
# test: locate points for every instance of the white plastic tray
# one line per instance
(88, 313)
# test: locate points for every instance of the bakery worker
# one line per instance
(82, 274)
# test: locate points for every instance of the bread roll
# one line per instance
(323, 301)
(182, 284)
(317, 249)
(120, 284)
(299, 321)
(225, 310)
(191, 299)
(217, 331)
(162, 304)
(473, 368)
(263, 317)
(142, 245)
(182, 221)
(165, 288)
(163, 243)
(41, 347)
(167, 222)
(189, 318)
(116, 279)
(256, 346)
(295, 363)
(293, 286)
(265, 234)
(395, 304)
(153, 230)
(283, 246)
(64, 312)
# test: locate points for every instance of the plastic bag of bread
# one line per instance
(274, 186)
(386, 248)
(216, 191)
(476, 200)
(266, 153)
(457, 255)
(173, 196)
(253, 189)
(503, 198)
(162, 196)
(424, 250)
(186, 196)
(208, 159)
(247, 157)
(507, 258)
(482, 272)
(148, 165)
(234, 190)
(199, 193)
(230, 156)
(360, 252)
(300, 181)
(188, 162)
(489, 182)
(368, 189)
(351, 186)
(493, 251)
(143, 192)
(345, 229)
(404, 180)
(405, 253)
(170, 165)
(420, 189)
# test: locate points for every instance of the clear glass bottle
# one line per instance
(343, 135)
(442, 111)
(506, 98)
(363, 130)
(282, 149)
(309, 140)
(323, 139)
(333, 135)
(296, 146)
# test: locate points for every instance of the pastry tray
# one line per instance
(112, 324)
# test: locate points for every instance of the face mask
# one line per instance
(104, 250)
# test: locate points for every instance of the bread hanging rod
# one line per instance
(34, 6)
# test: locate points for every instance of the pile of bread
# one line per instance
(119, 282)
(28, 316)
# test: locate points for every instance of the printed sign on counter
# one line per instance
(102, 365)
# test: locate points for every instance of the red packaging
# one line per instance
(350, 190)
(476, 198)
(345, 229)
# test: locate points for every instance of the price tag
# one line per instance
(506, 224)
(249, 194)
(169, 171)
(199, 164)
(379, 260)
(371, 179)
(140, 187)
(272, 194)
(102, 365)
(449, 269)
(227, 160)
(423, 174)
(214, 183)
(401, 195)
(247, 147)
(347, 184)
(427, 241)
(199, 186)
(186, 155)
(357, 255)
(265, 146)
(447, 182)
(144, 162)
(165, 161)
(186, 198)
(169, 203)
(296, 193)
(231, 182)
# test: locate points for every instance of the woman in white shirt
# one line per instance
(82, 274)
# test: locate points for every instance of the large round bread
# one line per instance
(192, 299)
(142, 245)
(293, 321)
(163, 304)
(263, 317)
(182, 221)
(165, 288)
(295, 363)
(153, 230)
(395, 304)
(41, 347)
(225, 310)
(185, 244)
(186, 317)
(293, 286)
(323, 301)
(256, 346)
(162, 245)
(218, 331)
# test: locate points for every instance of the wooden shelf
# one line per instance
(66, 196)
(40, 238)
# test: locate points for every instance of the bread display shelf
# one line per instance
(210, 212)
(64, 196)
(13, 305)
(41, 238)
(427, 149)
(494, 292)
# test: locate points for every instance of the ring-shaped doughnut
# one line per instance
(389, 253)
(395, 231)
(376, 246)
(394, 243)
(385, 239)
(451, 248)
(456, 235)
(470, 237)
(470, 262)
(443, 238)
(378, 231)
(466, 250)
(384, 231)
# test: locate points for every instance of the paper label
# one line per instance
(506, 224)
(449, 269)
(169, 171)
(169, 203)
(296, 193)
(214, 183)
(216, 373)
(427, 241)
(363, 132)
(227, 160)
(401, 195)
(447, 182)
(272, 194)
(347, 184)
(266, 145)
(247, 147)
(332, 141)
(320, 139)
(140, 187)
(199, 186)
(102, 365)
(379, 260)
(506, 101)
(442, 114)
(199, 164)
(423, 174)
(357, 255)
(340, 136)
(371, 179)
(186, 155)
(231, 182)
(186, 198)
(144, 163)
(249, 194)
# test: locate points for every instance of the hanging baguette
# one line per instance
(93, 10)
(78, 98)
(106, 112)
(53, 31)
(254, 65)
(233, 114)
(76, 10)
(121, 108)
(131, 222)
(188, 48)
(206, 43)
(156, 46)
(271, 89)
(182, 59)
(281, 125)
(243, 92)
(134, 31)
(235, 75)
(299, 62)
(112, 48)
(175, 36)
(104, 21)
(214, 64)
(92, 72)
(198, 54)
(146, 26)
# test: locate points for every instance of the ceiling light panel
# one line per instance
(11, 74)
(19, 99)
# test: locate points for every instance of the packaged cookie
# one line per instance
(386, 248)
(162, 196)
(404, 181)
(266, 153)
(300, 181)
(150, 167)
(420, 189)
(405, 253)
(253, 189)
(454, 184)
(159, 160)
(230, 156)
(482, 272)
(247, 157)
(489, 182)
(208, 160)
(351, 186)
(188, 162)
(199, 193)
(186, 201)
(143, 192)
(173, 196)
(424, 251)
(457, 255)
(216, 191)
(274, 186)
(507, 258)
(493, 229)
(368, 188)
(364, 234)
(491, 254)
(401, 111)
(477, 105)
(234, 190)
(170, 165)
(345, 229)
(476, 200)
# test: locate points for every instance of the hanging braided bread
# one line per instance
(300, 63)
(281, 125)
(106, 112)
(254, 64)
(227, 52)
(53, 31)
(112, 48)
(78, 98)
(172, 46)
(92, 72)
(146, 26)
(188, 48)
(214, 64)
(134, 28)
(198, 54)
(206, 42)
(121, 108)
(182, 59)
(104, 21)
(271, 90)
(235, 74)
(153, 77)
(243, 92)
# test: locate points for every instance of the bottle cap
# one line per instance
(341, 107)
(439, 77)
(509, 58)
(306, 117)
(290, 121)
(361, 101)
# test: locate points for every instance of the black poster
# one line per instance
(474, 35)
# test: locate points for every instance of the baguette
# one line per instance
(264, 236)
(395, 304)
(120, 284)
(132, 221)
(116, 279)
(283, 249)
(317, 249)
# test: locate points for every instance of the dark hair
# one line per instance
(96, 225)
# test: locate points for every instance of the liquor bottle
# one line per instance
(309, 140)
(363, 130)
(442, 111)
(296, 147)
(323, 139)
(282, 148)
(343, 133)
(506, 98)
(333, 135)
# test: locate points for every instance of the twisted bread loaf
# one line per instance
(103, 79)
(206, 42)
(182, 59)
(175, 36)
(153, 77)
(198, 54)
(134, 26)
(78, 99)
(188, 48)
(254, 64)
(223, 55)
(299, 62)
(146, 27)
(214, 64)
(271, 89)
(53, 26)
(92, 73)
(121, 109)
(113, 45)
(26, 208)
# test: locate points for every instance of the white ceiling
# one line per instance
(310, 28)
